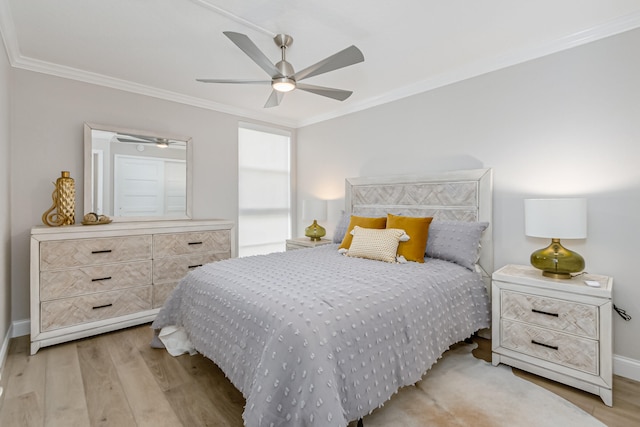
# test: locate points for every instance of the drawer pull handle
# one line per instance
(195, 266)
(102, 306)
(104, 251)
(101, 278)
(544, 312)
(552, 347)
(195, 243)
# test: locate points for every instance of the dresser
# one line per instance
(86, 280)
(555, 328)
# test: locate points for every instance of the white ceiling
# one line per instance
(159, 47)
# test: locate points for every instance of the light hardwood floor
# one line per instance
(116, 379)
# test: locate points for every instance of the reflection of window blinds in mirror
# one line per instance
(96, 181)
(146, 187)
(264, 190)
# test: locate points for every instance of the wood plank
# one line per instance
(107, 404)
(148, 403)
(192, 400)
(167, 371)
(193, 405)
(23, 411)
(219, 389)
(25, 373)
(65, 403)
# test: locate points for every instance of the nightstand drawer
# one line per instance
(100, 278)
(560, 315)
(165, 245)
(89, 308)
(556, 347)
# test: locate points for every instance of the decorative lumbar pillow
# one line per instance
(376, 244)
(456, 241)
(418, 231)
(364, 222)
(341, 228)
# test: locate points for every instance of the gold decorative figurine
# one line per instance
(64, 203)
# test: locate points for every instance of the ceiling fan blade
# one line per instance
(329, 92)
(237, 81)
(248, 47)
(134, 140)
(274, 99)
(344, 58)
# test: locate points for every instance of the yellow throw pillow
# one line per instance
(364, 222)
(418, 231)
(375, 244)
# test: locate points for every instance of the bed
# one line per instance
(316, 338)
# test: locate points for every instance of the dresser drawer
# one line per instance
(175, 268)
(560, 315)
(556, 347)
(88, 308)
(86, 280)
(85, 252)
(165, 245)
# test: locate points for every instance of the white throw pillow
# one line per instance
(376, 244)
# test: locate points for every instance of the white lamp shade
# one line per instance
(314, 210)
(556, 218)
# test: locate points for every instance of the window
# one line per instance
(264, 190)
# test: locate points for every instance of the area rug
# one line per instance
(461, 390)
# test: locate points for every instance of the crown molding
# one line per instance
(44, 67)
(611, 28)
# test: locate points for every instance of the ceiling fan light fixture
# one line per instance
(283, 84)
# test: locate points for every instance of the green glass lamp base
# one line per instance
(556, 261)
(315, 231)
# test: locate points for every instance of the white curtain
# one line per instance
(264, 221)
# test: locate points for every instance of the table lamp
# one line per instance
(556, 219)
(315, 210)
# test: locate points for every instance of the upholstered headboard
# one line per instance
(462, 195)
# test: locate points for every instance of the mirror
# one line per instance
(134, 175)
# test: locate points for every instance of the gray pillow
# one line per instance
(456, 241)
(341, 228)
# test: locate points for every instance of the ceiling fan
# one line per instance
(138, 139)
(283, 77)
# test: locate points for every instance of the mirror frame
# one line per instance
(88, 173)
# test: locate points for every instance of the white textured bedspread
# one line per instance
(314, 338)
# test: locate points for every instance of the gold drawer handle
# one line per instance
(105, 251)
(552, 347)
(101, 278)
(544, 312)
(194, 243)
(102, 306)
(195, 266)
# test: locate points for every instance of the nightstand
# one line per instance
(558, 329)
(305, 242)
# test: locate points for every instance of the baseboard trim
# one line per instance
(626, 367)
(622, 366)
(21, 328)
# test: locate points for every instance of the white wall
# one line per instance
(5, 232)
(563, 125)
(5, 218)
(47, 137)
